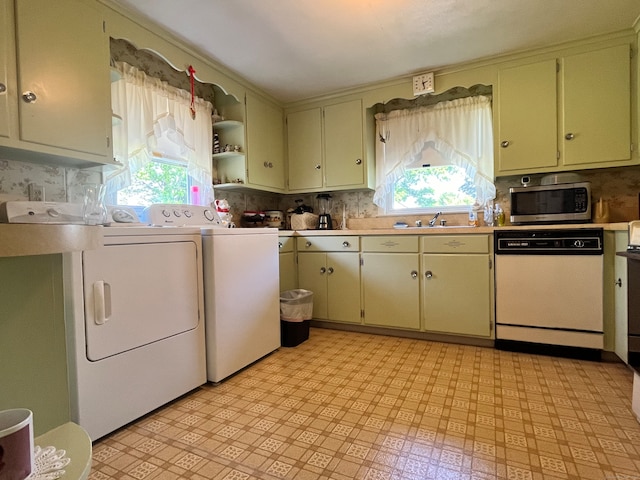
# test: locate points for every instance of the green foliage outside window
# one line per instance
(156, 182)
(434, 187)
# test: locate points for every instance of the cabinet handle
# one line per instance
(569, 136)
(308, 244)
(428, 274)
(414, 274)
(330, 270)
(279, 244)
(618, 282)
(504, 143)
(359, 161)
(3, 88)
(323, 270)
(29, 97)
(318, 167)
(346, 244)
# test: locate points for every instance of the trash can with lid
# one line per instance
(296, 311)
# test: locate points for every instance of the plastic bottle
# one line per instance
(473, 218)
(498, 213)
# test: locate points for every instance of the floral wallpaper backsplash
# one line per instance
(619, 187)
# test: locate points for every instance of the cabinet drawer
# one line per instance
(455, 244)
(328, 244)
(389, 243)
(286, 244)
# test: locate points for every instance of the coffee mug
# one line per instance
(16, 444)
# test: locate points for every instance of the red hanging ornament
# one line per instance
(192, 80)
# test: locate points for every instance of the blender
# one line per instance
(324, 207)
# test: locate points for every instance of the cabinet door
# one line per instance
(457, 294)
(527, 122)
(63, 56)
(391, 289)
(343, 287)
(312, 275)
(287, 271)
(265, 149)
(304, 141)
(597, 106)
(343, 157)
(621, 330)
(6, 30)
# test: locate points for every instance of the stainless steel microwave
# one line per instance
(559, 203)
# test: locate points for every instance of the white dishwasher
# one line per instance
(549, 288)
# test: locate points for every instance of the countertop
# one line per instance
(74, 440)
(17, 239)
(449, 230)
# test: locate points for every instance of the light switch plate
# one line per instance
(423, 83)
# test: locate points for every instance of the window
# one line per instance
(435, 158)
(165, 151)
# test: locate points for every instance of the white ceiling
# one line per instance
(297, 49)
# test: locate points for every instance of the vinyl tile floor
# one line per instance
(346, 405)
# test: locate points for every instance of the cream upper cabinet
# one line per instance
(565, 113)
(326, 149)
(457, 284)
(527, 126)
(59, 99)
(265, 148)
(390, 269)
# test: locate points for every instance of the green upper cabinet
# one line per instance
(326, 148)
(59, 98)
(265, 148)
(527, 127)
(596, 118)
(566, 113)
(304, 142)
(5, 32)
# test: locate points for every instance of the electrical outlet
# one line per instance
(36, 192)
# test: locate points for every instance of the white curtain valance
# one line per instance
(459, 130)
(156, 121)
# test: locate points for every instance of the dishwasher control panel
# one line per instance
(549, 242)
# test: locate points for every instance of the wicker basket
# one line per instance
(304, 221)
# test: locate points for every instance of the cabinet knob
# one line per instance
(266, 165)
(414, 274)
(618, 282)
(346, 244)
(323, 270)
(3, 88)
(330, 270)
(270, 165)
(279, 244)
(359, 161)
(318, 167)
(428, 274)
(569, 136)
(504, 143)
(29, 97)
(308, 244)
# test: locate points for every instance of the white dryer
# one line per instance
(135, 324)
(241, 287)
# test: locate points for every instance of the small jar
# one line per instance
(499, 216)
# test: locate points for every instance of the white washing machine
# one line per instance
(135, 324)
(241, 282)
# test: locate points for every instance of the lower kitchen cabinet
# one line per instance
(390, 281)
(332, 276)
(457, 284)
(287, 257)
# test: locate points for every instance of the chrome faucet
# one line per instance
(432, 222)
